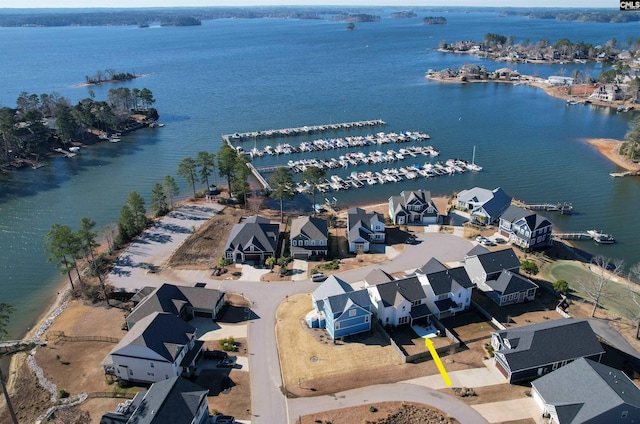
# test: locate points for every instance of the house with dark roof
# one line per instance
(255, 239)
(585, 391)
(524, 353)
(525, 228)
(509, 288)
(413, 207)
(399, 302)
(363, 229)
(484, 206)
(158, 347)
(483, 267)
(448, 290)
(181, 301)
(174, 400)
(309, 237)
(339, 309)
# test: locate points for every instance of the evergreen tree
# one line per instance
(187, 170)
(159, 205)
(282, 186)
(62, 245)
(171, 189)
(313, 176)
(207, 163)
(227, 158)
(136, 204)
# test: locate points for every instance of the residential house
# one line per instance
(377, 276)
(158, 347)
(523, 353)
(483, 267)
(484, 206)
(175, 400)
(413, 207)
(309, 237)
(555, 80)
(525, 228)
(607, 93)
(585, 391)
(448, 290)
(255, 239)
(399, 302)
(181, 301)
(339, 309)
(509, 288)
(363, 229)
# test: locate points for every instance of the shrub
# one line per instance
(373, 409)
(123, 384)
(62, 394)
(227, 344)
(561, 286)
(224, 262)
(529, 267)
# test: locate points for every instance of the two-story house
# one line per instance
(413, 207)
(363, 229)
(255, 239)
(484, 206)
(530, 351)
(525, 228)
(158, 347)
(340, 309)
(509, 288)
(399, 302)
(488, 266)
(448, 290)
(309, 237)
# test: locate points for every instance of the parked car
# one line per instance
(215, 354)
(227, 419)
(500, 240)
(487, 242)
(479, 239)
(229, 361)
(319, 277)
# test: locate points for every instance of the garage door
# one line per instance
(252, 257)
(203, 314)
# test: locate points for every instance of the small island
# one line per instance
(109, 75)
(434, 20)
(357, 17)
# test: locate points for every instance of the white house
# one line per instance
(363, 229)
(399, 302)
(483, 205)
(448, 290)
(158, 347)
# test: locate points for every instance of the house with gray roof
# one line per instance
(174, 400)
(255, 239)
(181, 301)
(363, 229)
(339, 309)
(158, 347)
(399, 302)
(413, 207)
(448, 290)
(585, 391)
(509, 288)
(483, 267)
(377, 276)
(309, 237)
(525, 228)
(483, 205)
(524, 353)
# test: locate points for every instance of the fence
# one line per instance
(422, 356)
(123, 395)
(487, 315)
(60, 336)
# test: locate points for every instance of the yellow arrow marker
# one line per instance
(429, 344)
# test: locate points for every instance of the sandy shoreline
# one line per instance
(608, 147)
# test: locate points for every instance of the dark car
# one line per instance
(227, 419)
(215, 354)
(229, 361)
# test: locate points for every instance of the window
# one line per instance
(366, 318)
(130, 371)
(306, 242)
(403, 320)
(416, 302)
(151, 364)
(229, 255)
(313, 242)
(337, 326)
(294, 242)
(352, 313)
(624, 414)
(404, 307)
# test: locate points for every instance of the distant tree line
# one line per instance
(434, 20)
(40, 123)
(579, 15)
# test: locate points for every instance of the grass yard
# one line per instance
(308, 356)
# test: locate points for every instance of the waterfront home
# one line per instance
(509, 288)
(585, 391)
(309, 237)
(607, 93)
(175, 400)
(363, 229)
(448, 290)
(484, 206)
(158, 347)
(399, 302)
(523, 353)
(339, 309)
(181, 301)
(255, 239)
(483, 267)
(555, 80)
(413, 207)
(525, 228)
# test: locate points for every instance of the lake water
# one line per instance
(246, 75)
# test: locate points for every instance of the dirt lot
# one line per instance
(381, 413)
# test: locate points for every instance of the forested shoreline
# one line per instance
(189, 16)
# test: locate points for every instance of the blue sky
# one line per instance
(201, 3)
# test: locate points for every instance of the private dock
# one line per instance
(625, 174)
(564, 208)
(597, 236)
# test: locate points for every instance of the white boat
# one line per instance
(600, 237)
(74, 149)
(472, 166)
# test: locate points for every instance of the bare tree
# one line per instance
(634, 278)
(596, 287)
